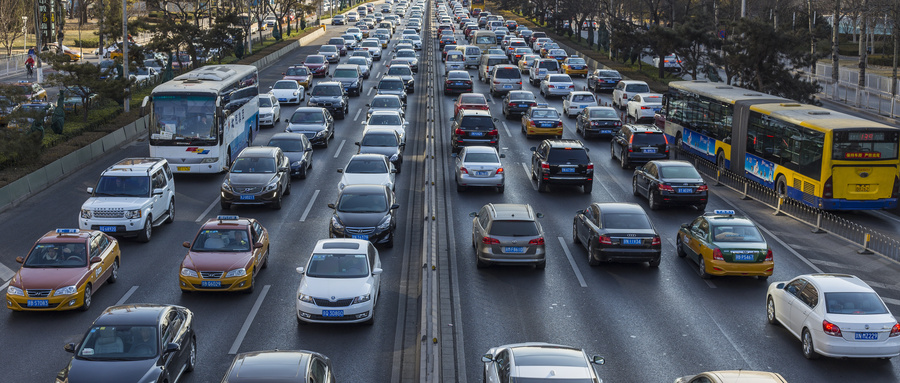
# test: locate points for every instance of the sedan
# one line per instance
(603, 79)
(134, 343)
(340, 283)
(532, 362)
(598, 121)
(835, 315)
(447, 39)
(517, 102)
(557, 85)
(574, 102)
(458, 81)
(575, 66)
(644, 106)
(525, 62)
(365, 212)
(479, 166)
(315, 123)
(404, 72)
(363, 64)
(410, 56)
(733, 376)
(259, 175)
(269, 109)
(470, 101)
(299, 73)
(619, 232)
(724, 244)
(297, 148)
(670, 182)
(226, 255)
(318, 64)
(373, 169)
(280, 366)
(542, 120)
(288, 91)
(383, 141)
(387, 102)
(390, 120)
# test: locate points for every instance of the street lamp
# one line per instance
(25, 33)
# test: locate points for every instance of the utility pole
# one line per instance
(812, 35)
(743, 8)
(125, 42)
(835, 51)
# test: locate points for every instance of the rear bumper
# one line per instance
(620, 254)
(722, 268)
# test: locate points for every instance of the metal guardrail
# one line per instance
(875, 96)
(871, 241)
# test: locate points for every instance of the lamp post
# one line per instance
(25, 33)
(125, 42)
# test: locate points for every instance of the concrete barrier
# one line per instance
(96, 148)
(37, 180)
(130, 130)
(54, 170)
(119, 136)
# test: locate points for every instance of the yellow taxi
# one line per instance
(542, 120)
(72, 54)
(32, 91)
(575, 66)
(226, 255)
(724, 244)
(63, 270)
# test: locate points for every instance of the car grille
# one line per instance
(104, 213)
(265, 116)
(200, 286)
(338, 303)
(247, 189)
(211, 274)
(38, 293)
(359, 230)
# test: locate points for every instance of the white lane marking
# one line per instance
(839, 265)
(508, 134)
(356, 117)
(338, 151)
(528, 175)
(248, 321)
(4, 286)
(309, 206)
(127, 295)
(6, 272)
(891, 301)
(562, 243)
(369, 93)
(205, 212)
(884, 215)
(883, 285)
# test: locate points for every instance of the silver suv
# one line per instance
(508, 233)
(505, 78)
(131, 197)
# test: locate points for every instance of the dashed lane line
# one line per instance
(205, 212)
(309, 205)
(246, 327)
(562, 242)
(338, 151)
(127, 295)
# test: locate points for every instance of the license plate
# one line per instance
(582, 106)
(656, 110)
(685, 190)
(282, 99)
(743, 257)
(649, 150)
(513, 249)
(333, 313)
(523, 105)
(857, 336)
(631, 241)
(360, 236)
(481, 173)
(108, 229)
(507, 87)
(476, 134)
(184, 168)
(606, 131)
(457, 83)
(45, 303)
(546, 125)
(210, 283)
(248, 197)
(567, 170)
(862, 188)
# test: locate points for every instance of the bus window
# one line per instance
(863, 145)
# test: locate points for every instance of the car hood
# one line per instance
(48, 278)
(346, 80)
(294, 156)
(324, 98)
(361, 219)
(216, 261)
(266, 110)
(364, 178)
(114, 203)
(80, 370)
(385, 150)
(250, 179)
(305, 127)
(335, 287)
(311, 66)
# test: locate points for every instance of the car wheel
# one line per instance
(588, 187)
(702, 264)
(249, 290)
(500, 189)
(479, 263)
(591, 259)
(542, 185)
(192, 356)
(653, 198)
(623, 161)
(679, 246)
(225, 205)
(809, 350)
(86, 298)
(171, 213)
(701, 207)
(288, 191)
(762, 277)
(371, 320)
(147, 232)
(612, 151)
(113, 272)
(277, 203)
(390, 242)
(770, 311)
(634, 188)
(325, 143)
(575, 234)
(265, 263)
(540, 265)
(303, 172)
(655, 262)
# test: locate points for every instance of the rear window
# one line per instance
(854, 303)
(864, 145)
(678, 172)
(496, 61)
(583, 98)
(626, 221)
(637, 88)
(477, 123)
(549, 65)
(481, 158)
(562, 156)
(507, 73)
(604, 113)
(513, 229)
(560, 78)
(737, 233)
(608, 74)
(648, 139)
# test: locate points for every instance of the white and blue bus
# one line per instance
(201, 120)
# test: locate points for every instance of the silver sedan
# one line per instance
(557, 85)
(479, 166)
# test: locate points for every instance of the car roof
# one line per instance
(347, 66)
(270, 365)
(620, 207)
(341, 245)
(839, 282)
(626, 82)
(643, 128)
(258, 151)
(664, 163)
(227, 222)
(512, 211)
(386, 112)
(328, 83)
(133, 314)
(68, 237)
(129, 166)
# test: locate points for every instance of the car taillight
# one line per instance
(493, 133)
(559, 123)
(490, 241)
(536, 241)
(458, 131)
(464, 170)
(496, 82)
(511, 104)
(499, 170)
(666, 188)
(895, 331)
(545, 166)
(702, 188)
(590, 167)
(656, 242)
(618, 123)
(605, 240)
(769, 256)
(572, 86)
(831, 328)
(519, 82)
(624, 96)
(717, 255)
(645, 107)
(631, 138)
(828, 189)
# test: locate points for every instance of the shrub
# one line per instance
(87, 43)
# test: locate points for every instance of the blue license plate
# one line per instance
(649, 150)
(360, 236)
(546, 125)
(108, 229)
(605, 131)
(685, 190)
(582, 106)
(513, 249)
(567, 170)
(333, 313)
(523, 105)
(45, 303)
(282, 99)
(476, 134)
(481, 173)
(631, 241)
(248, 197)
(744, 257)
(865, 336)
(457, 83)
(210, 283)
(507, 87)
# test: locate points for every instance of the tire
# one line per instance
(653, 198)
(303, 173)
(762, 277)
(612, 151)
(192, 356)
(575, 234)
(171, 213)
(371, 320)
(288, 191)
(114, 272)
(542, 186)
(809, 350)
(277, 204)
(634, 188)
(390, 243)
(679, 247)
(702, 264)
(540, 265)
(480, 264)
(623, 162)
(655, 262)
(770, 311)
(781, 187)
(588, 187)
(701, 207)
(147, 232)
(265, 263)
(460, 188)
(591, 260)
(86, 298)
(225, 205)
(500, 189)
(252, 287)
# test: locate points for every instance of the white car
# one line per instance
(557, 85)
(288, 91)
(479, 166)
(576, 101)
(140, 75)
(627, 88)
(644, 106)
(670, 63)
(269, 109)
(388, 119)
(835, 315)
(375, 169)
(532, 362)
(340, 282)
(416, 42)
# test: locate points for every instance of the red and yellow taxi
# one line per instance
(724, 244)
(575, 66)
(299, 73)
(226, 255)
(542, 120)
(63, 270)
(32, 91)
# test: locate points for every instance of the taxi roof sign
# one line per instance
(724, 212)
(227, 217)
(67, 231)
(542, 104)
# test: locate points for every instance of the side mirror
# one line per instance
(186, 244)
(258, 245)
(20, 260)
(639, 168)
(157, 191)
(270, 87)
(473, 214)
(284, 169)
(331, 206)
(685, 225)
(540, 215)
(598, 360)
(395, 206)
(580, 211)
(308, 149)
(487, 358)
(299, 270)
(496, 119)
(340, 170)
(502, 155)
(454, 155)
(533, 149)
(368, 106)
(172, 347)
(287, 120)
(376, 271)
(356, 143)
(96, 259)
(90, 190)
(70, 347)
(450, 119)
(780, 286)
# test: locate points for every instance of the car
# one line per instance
(524, 63)
(388, 119)
(733, 376)
(547, 47)
(337, 20)
(373, 46)
(447, 39)
(513, 45)
(363, 64)
(386, 141)
(575, 66)
(57, 273)
(574, 102)
(470, 101)
(487, 63)
(855, 323)
(259, 175)
(316, 123)
(299, 73)
(280, 366)
(516, 55)
(269, 109)
(537, 43)
(540, 68)
(135, 342)
(350, 77)
(635, 143)
(517, 102)
(617, 232)
(479, 166)
(27, 112)
(473, 127)
(383, 38)
(389, 102)
(363, 53)
(331, 96)
(340, 43)
(511, 25)
(558, 54)
(670, 182)
(455, 61)
(562, 162)
(603, 79)
(458, 81)
(556, 85)
(31, 91)
(597, 121)
(724, 244)
(504, 78)
(625, 89)
(532, 362)
(226, 254)
(375, 169)
(392, 85)
(356, 32)
(403, 44)
(365, 211)
(535, 36)
(508, 234)
(350, 42)
(144, 75)
(670, 63)
(288, 91)
(405, 73)
(352, 17)
(643, 107)
(317, 64)
(542, 120)
(410, 56)
(297, 148)
(132, 196)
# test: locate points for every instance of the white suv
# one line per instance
(131, 197)
(626, 89)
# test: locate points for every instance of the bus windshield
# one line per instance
(183, 120)
(865, 145)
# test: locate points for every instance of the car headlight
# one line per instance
(385, 223)
(271, 186)
(394, 158)
(341, 186)
(186, 272)
(87, 214)
(68, 290)
(236, 273)
(296, 93)
(362, 298)
(130, 214)
(296, 163)
(305, 298)
(13, 290)
(336, 223)
(226, 185)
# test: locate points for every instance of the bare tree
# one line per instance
(11, 24)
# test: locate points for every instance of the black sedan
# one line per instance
(134, 343)
(670, 182)
(260, 175)
(280, 366)
(517, 102)
(603, 79)
(617, 232)
(598, 121)
(457, 81)
(298, 150)
(365, 211)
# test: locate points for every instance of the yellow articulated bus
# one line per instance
(823, 158)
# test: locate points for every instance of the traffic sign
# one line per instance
(722, 34)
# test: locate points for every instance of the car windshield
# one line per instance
(366, 166)
(338, 266)
(285, 85)
(514, 229)
(307, 117)
(57, 255)
(386, 140)
(854, 303)
(551, 114)
(455, 57)
(345, 73)
(390, 85)
(297, 72)
(123, 186)
(737, 233)
(321, 90)
(490, 158)
(362, 203)
(385, 119)
(604, 113)
(253, 165)
(632, 221)
(400, 71)
(583, 98)
(315, 60)
(119, 343)
(678, 172)
(265, 102)
(637, 88)
(221, 240)
(287, 145)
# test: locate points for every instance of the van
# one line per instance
(485, 40)
(505, 78)
(487, 65)
(472, 55)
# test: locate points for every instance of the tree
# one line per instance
(662, 41)
(83, 80)
(11, 24)
(697, 37)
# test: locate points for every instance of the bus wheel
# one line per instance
(720, 161)
(781, 187)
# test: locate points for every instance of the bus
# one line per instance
(822, 158)
(200, 120)
(476, 4)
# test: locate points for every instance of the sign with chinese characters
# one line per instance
(47, 19)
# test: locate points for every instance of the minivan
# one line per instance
(484, 40)
(472, 55)
(505, 78)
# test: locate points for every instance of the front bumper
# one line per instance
(371, 234)
(261, 198)
(221, 284)
(113, 226)
(54, 303)
(354, 313)
(266, 120)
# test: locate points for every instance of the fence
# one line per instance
(875, 96)
(12, 64)
(869, 240)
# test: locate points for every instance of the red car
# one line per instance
(317, 64)
(473, 101)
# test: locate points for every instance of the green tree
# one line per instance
(83, 80)
(662, 41)
(696, 38)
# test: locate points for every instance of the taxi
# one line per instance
(542, 120)
(545, 49)
(32, 91)
(63, 270)
(575, 66)
(723, 244)
(226, 255)
(299, 73)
